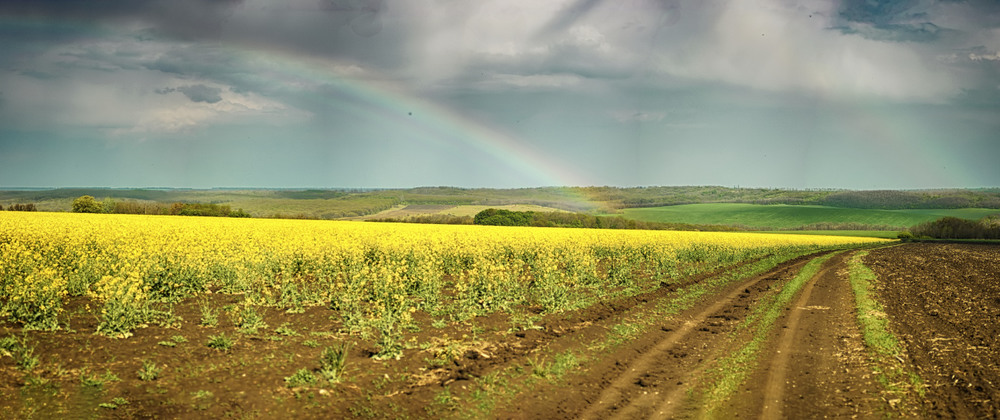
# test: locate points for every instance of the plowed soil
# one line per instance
(944, 303)
(654, 355)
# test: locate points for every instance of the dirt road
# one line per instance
(725, 358)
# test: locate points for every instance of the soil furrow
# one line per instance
(673, 364)
(815, 364)
(944, 304)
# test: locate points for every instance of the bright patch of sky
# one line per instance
(514, 93)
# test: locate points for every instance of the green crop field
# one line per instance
(886, 234)
(781, 216)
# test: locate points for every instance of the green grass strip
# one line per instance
(873, 320)
(883, 346)
(734, 369)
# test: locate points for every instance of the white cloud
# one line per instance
(232, 108)
(533, 80)
(987, 57)
(784, 49)
(108, 85)
(588, 37)
(460, 41)
(770, 45)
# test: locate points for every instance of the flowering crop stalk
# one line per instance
(375, 275)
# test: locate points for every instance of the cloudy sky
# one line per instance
(514, 93)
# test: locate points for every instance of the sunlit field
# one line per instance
(375, 275)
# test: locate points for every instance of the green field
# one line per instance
(781, 216)
(887, 234)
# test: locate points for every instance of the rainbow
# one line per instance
(392, 103)
(399, 106)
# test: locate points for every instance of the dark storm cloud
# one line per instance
(333, 28)
(672, 79)
(40, 75)
(196, 93)
(879, 12)
(909, 20)
(915, 32)
(201, 93)
(570, 15)
(363, 17)
(895, 20)
(357, 30)
(180, 18)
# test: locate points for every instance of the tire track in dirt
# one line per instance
(656, 381)
(675, 400)
(774, 388)
(816, 364)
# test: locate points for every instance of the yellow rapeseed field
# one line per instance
(375, 274)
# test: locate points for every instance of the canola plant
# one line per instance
(375, 274)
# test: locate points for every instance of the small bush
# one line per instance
(86, 204)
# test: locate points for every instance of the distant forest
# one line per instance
(868, 199)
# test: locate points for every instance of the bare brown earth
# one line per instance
(413, 210)
(944, 302)
(653, 355)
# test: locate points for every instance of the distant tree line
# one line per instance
(502, 217)
(21, 207)
(845, 226)
(88, 204)
(435, 219)
(205, 209)
(956, 228)
(896, 200)
(616, 198)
